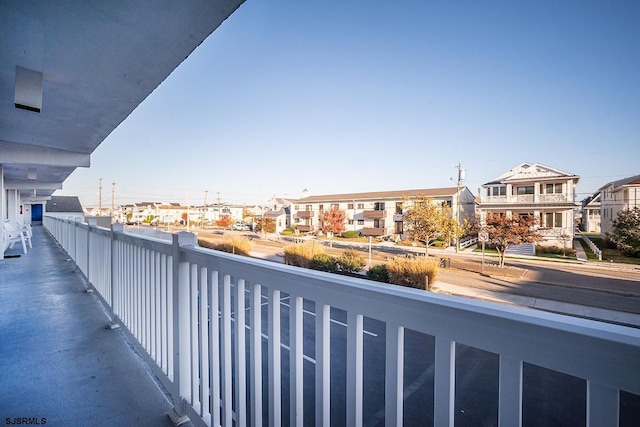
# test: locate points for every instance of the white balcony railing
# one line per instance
(526, 198)
(164, 293)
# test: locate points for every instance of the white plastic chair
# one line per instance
(28, 233)
(14, 234)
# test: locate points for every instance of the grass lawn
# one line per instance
(614, 255)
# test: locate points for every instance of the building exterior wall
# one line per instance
(544, 192)
(379, 214)
(616, 197)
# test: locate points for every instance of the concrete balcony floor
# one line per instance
(57, 358)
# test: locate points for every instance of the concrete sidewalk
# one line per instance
(600, 314)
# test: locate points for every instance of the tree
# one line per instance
(265, 224)
(224, 221)
(505, 232)
(426, 220)
(333, 222)
(626, 232)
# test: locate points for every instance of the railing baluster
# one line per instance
(214, 343)
(227, 397)
(275, 390)
(203, 340)
(510, 392)
(296, 376)
(323, 369)
(444, 382)
(194, 350)
(603, 405)
(354, 368)
(394, 375)
(241, 357)
(256, 356)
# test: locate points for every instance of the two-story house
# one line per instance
(378, 213)
(590, 221)
(533, 189)
(616, 196)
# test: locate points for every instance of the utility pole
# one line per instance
(461, 176)
(188, 203)
(204, 215)
(100, 197)
(113, 193)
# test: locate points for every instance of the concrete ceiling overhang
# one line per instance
(72, 71)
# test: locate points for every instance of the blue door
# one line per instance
(36, 213)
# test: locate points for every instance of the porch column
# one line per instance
(13, 204)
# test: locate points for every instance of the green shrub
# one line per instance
(419, 272)
(324, 262)
(301, 254)
(556, 250)
(351, 261)
(379, 273)
(235, 245)
(351, 234)
(287, 231)
(439, 244)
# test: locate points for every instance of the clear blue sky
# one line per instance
(352, 96)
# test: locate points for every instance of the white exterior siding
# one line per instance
(544, 192)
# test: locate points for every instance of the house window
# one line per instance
(335, 206)
(350, 206)
(378, 223)
(553, 188)
(350, 222)
(360, 205)
(525, 190)
(320, 208)
(553, 220)
(499, 191)
(378, 206)
(308, 208)
(398, 227)
(361, 222)
(399, 208)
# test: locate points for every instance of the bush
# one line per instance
(301, 254)
(439, 244)
(234, 245)
(287, 231)
(351, 234)
(351, 261)
(379, 273)
(324, 262)
(556, 250)
(419, 272)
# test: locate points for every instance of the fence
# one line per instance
(214, 326)
(592, 246)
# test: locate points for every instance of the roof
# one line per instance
(529, 171)
(64, 204)
(616, 185)
(381, 195)
(72, 71)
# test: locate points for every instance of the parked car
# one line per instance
(241, 227)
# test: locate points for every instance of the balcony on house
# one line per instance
(304, 214)
(241, 341)
(375, 214)
(374, 231)
(304, 228)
